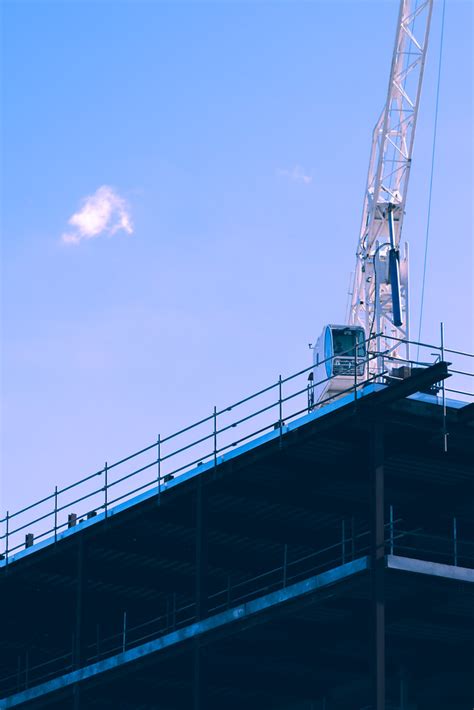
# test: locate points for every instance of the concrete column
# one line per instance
(378, 565)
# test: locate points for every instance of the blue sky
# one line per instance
(237, 135)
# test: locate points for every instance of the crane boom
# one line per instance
(380, 286)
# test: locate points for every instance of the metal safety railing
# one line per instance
(207, 441)
(347, 539)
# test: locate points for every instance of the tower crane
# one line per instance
(378, 315)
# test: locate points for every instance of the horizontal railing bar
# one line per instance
(195, 462)
(68, 505)
(247, 399)
(134, 473)
(185, 448)
(247, 418)
(28, 507)
(458, 352)
(130, 493)
(468, 394)
(404, 359)
(248, 436)
(78, 483)
(187, 428)
(132, 456)
(31, 522)
(409, 342)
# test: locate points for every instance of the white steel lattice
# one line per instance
(387, 181)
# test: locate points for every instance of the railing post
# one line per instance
(391, 530)
(55, 513)
(280, 408)
(455, 541)
(124, 631)
(158, 444)
(106, 483)
(215, 436)
(443, 393)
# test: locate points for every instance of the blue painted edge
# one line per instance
(253, 444)
(237, 613)
(436, 569)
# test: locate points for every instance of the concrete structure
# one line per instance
(327, 564)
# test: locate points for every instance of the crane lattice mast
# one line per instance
(380, 287)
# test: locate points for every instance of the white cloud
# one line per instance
(104, 212)
(296, 174)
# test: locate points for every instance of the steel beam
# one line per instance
(201, 550)
(243, 613)
(378, 565)
(78, 624)
(199, 700)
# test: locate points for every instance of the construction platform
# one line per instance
(326, 564)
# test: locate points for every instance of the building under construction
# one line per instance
(309, 547)
(324, 560)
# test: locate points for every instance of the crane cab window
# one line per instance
(344, 341)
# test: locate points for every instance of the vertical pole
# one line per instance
(215, 436)
(343, 541)
(201, 551)
(79, 606)
(159, 468)
(280, 408)
(443, 395)
(403, 690)
(76, 695)
(353, 538)
(355, 368)
(106, 487)
(455, 541)
(391, 529)
(124, 631)
(199, 699)
(378, 565)
(55, 513)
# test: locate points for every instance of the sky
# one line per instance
(182, 186)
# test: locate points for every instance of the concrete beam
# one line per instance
(436, 569)
(193, 631)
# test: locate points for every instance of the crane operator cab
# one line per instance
(337, 353)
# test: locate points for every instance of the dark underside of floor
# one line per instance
(284, 501)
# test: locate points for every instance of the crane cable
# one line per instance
(431, 179)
